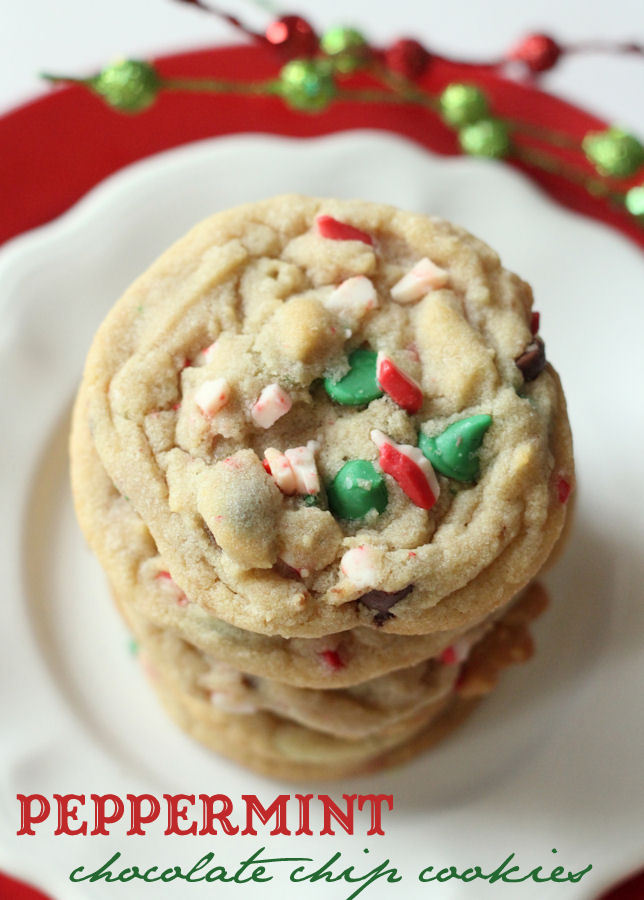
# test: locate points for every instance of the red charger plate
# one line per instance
(57, 147)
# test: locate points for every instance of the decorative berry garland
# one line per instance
(318, 71)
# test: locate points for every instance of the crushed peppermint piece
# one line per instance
(204, 356)
(563, 489)
(171, 588)
(226, 701)
(408, 466)
(360, 565)
(294, 471)
(212, 395)
(456, 653)
(302, 460)
(278, 465)
(332, 659)
(402, 389)
(328, 227)
(271, 405)
(425, 276)
(353, 298)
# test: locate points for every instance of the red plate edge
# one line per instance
(57, 147)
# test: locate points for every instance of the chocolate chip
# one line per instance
(532, 360)
(382, 601)
(380, 618)
(209, 534)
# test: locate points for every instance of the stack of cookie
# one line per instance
(320, 455)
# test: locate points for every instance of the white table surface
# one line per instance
(77, 36)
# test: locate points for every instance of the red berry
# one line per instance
(538, 52)
(408, 58)
(332, 659)
(534, 322)
(328, 227)
(293, 36)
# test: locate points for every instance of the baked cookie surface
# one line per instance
(326, 429)
(294, 737)
(128, 554)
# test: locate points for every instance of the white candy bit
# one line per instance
(456, 653)
(294, 471)
(238, 705)
(281, 470)
(423, 277)
(302, 462)
(353, 298)
(170, 588)
(208, 352)
(360, 566)
(271, 405)
(213, 395)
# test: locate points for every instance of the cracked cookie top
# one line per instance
(331, 414)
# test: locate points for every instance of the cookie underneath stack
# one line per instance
(321, 457)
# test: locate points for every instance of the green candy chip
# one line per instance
(454, 452)
(356, 489)
(359, 385)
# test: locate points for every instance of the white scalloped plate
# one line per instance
(552, 760)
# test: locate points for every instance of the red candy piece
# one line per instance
(402, 389)
(266, 466)
(409, 476)
(328, 227)
(449, 656)
(563, 489)
(332, 659)
(534, 322)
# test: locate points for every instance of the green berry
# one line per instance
(356, 489)
(359, 385)
(128, 85)
(307, 84)
(614, 152)
(634, 201)
(488, 137)
(463, 104)
(454, 452)
(347, 47)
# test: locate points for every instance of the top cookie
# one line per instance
(333, 414)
